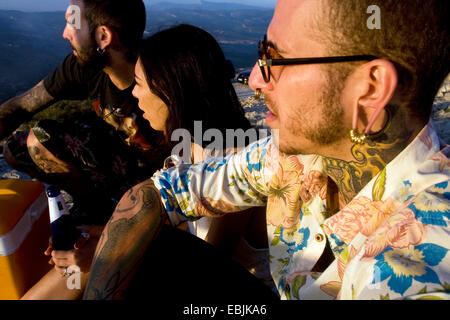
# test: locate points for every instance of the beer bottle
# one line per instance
(64, 232)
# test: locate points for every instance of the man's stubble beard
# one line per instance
(88, 56)
(329, 129)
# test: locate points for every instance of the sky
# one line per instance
(58, 5)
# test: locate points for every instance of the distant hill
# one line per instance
(203, 5)
(61, 5)
(237, 30)
(31, 44)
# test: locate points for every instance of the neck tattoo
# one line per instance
(370, 158)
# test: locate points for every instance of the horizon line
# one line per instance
(262, 6)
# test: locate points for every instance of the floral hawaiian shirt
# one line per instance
(391, 241)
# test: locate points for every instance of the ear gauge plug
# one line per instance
(257, 94)
(357, 138)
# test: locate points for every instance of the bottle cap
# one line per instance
(53, 191)
(56, 204)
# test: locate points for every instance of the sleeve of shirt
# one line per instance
(216, 186)
(67, 81)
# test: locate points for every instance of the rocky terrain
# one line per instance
(441, 111)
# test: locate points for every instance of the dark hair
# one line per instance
(186, 68)
(127, 18)
(414, 36)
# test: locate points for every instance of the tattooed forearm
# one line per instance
(37, 98)
(31, 101)
(21, 108)
(134, 224)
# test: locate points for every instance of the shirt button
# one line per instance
(319, 237)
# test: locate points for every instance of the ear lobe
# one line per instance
(382, 79)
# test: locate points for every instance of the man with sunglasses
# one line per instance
(355, 178)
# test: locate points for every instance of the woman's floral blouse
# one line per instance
(391, 241)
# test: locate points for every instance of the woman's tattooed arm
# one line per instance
(136, 221)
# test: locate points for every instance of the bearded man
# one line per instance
(356, 180)
(94, 161)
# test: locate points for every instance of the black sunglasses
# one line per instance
(266, 61)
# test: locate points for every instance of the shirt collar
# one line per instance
(374, 202)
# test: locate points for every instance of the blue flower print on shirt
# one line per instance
(433, 205)
(281, 285)
(254, 157)
(336, 244)
(299, 241)
(165, 180)
(166, 194)
(215, 164)
(181, 184)
(404, 192)
(404, 265)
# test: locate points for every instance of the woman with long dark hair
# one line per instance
(183, 71)
(196, 86)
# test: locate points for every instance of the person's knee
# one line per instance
(8, 156)
(44, 159)
(15, 148)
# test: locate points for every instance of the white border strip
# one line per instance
(10, 242)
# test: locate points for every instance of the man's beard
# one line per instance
(324, 132)
(88, 56)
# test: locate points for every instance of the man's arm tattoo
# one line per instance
(21, 108)
(134, 224)
(31, 101)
